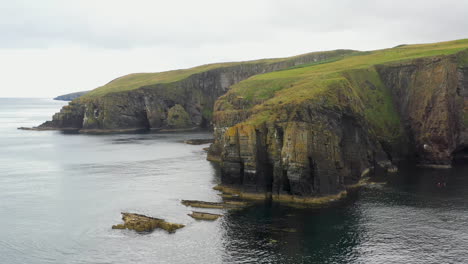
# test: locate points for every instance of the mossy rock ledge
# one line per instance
(143, 223)
(215, 205)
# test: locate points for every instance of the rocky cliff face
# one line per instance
(308, 152)
(362, 124)
(429, 95)
(182, 104)
(306, 131)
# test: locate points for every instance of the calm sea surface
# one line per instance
(61, 193)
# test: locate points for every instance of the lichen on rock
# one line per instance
(215, 205)
(204, 216)
(142, 223)
(177, 117)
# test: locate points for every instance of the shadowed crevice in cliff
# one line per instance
(264, 165)
(460, 154)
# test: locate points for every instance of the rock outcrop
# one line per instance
(143, 223)
(204, 216)
(223, 205)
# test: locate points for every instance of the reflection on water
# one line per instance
(61, 192)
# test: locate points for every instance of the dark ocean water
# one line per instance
(61, 193)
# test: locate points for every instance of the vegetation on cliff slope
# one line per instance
(138, 80)
(349, 83)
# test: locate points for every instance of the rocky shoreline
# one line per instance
(303, 128)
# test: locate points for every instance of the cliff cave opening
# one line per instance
(205, 123)
(144, 120)
(460, 155)
(268, 176)
(285, 184)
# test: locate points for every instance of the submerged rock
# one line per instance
(204, 216)
(143, 223)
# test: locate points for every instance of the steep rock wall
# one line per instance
(318, 152)
(429, 96)
(315, 148)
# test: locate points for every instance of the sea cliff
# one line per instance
(314, 131)
(181, 99)
(306, 126)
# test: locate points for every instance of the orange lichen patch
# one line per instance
(322, 200)
(142, 223)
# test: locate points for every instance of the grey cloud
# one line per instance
(29, 25)
(133, 24)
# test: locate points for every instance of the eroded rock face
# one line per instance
(429, 95)
(319, 153)
(70, 117)
(315, 149)
(177, 117)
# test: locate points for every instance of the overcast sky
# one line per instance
(53, 47)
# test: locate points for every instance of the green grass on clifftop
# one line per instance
(138, 80)
(304, 82)
(354, 77)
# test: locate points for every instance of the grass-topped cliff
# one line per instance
(314, 129)
(138, 80)
(177, 99)
(307, 125)
(354, 77)
(330, 79)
